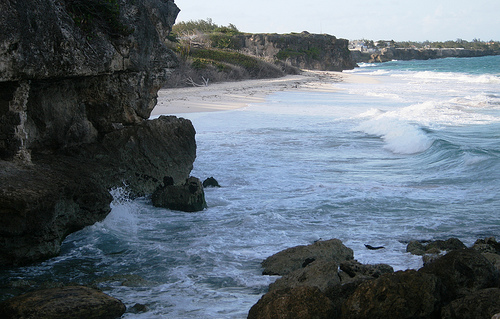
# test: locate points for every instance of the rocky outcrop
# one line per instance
(78, 80)
(187, 197)
(291, 259)
(403, 294)
(460, 284)
(389, 54)
(62, 303)
(298, 303)
(303, 50)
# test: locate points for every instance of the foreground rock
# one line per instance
(298, 303)
(404, 294)
(294, 258)
(62, 303)
(78, 81)
(461, 284)
(187, 197)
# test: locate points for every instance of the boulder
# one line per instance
(288, 260)
(482, 304)
(320, 274)
(293, 303)
(210, 182)
(463, 272)
(62, 303)
(488, 245)
(434, 247)
(400, 295)
(187, 197)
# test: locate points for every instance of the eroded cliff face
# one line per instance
(303, 50)
(78, 81)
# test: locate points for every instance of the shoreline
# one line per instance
(238, 94)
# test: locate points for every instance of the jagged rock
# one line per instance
(482, 304)
(288, 260)
(434, 247)
(320, 274)
(187, 197)
(354, 268)
(41, 204)
(400, 295)
(75, 99)
(488, 245)
(62, 303)
(210, 182)
(463, 272)
(296, 303)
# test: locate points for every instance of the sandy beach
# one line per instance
(233, 95)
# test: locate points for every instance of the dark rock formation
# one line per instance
(62, 303)
(306, 51)
(460, 284)
(434, 247)
(482, 304)
(389, 54)
(463, 272)
(320, 274)
(288, 260)
(408, 294)
(210, 182)
(297, 303)
(75, 96)
(187, 197)
(355, 269)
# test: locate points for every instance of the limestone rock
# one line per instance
(306, 51)
(75, 99)
(463, 272)
(294, 258)
(488, 245)
(354, 269)
(296, 303)
(434, 247)
(403, 294)
(320, 274)
(482, 304)
(187, 197)
(62, 303)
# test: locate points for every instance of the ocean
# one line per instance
(413, 154)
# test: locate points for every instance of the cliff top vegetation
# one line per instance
(475, 44)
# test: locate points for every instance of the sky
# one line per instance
(399, 20)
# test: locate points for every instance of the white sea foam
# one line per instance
(400, 137)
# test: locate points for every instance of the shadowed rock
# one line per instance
(187, 197)
(63, 303)
(296, 303)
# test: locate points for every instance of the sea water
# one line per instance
(413, 155)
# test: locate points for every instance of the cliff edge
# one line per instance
(78, 81)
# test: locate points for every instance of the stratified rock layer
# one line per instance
(78, 81)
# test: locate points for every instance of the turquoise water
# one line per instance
(415, 155)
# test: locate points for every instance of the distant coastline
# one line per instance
(389, 54)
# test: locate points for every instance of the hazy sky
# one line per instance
(400, 20)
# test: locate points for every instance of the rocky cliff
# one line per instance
(78, 80)
(389, 54)
(303, 50)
